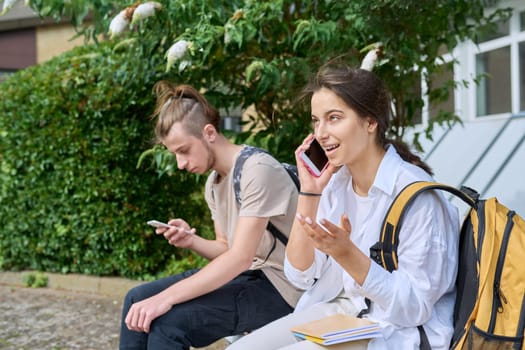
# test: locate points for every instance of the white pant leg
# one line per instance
(277, 334)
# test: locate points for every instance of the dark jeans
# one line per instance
(242, 305)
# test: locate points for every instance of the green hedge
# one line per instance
(72, 196)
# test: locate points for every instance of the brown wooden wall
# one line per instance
(17, 49)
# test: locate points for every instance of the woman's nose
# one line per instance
(320, 131)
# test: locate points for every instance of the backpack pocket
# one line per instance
(478, 339)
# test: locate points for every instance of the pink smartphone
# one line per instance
(315, 159)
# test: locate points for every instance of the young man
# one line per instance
(243, 286)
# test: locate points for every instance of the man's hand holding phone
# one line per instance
(177, 232)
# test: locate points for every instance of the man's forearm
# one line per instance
(208, 249)
(211, 277)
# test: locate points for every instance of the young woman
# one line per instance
(339, 217)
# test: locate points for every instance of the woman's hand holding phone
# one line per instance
(314, 158)
(313, 165)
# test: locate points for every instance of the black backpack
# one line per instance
(246, 152)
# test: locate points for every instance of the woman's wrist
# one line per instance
(310, 194)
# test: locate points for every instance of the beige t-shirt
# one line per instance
(266, 191)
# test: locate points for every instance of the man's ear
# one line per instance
(209, 133)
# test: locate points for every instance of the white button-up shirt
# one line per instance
(422, 290)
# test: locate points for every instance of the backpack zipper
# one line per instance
(498, 297)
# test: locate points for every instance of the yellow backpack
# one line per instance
(489, 312)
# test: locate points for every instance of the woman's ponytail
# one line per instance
(410, 157)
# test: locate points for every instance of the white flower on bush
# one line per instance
(176, 52)
(230, 26)
(145, 10)
(227, 36)
(370, 59)
(8, 4)
(183, 64)
(118, 23)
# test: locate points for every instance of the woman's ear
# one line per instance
(209, 133)
(372, 124)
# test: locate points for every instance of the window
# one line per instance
(493, 68)
(443, 82)
(232, 123)
(493, 95)
(500, 30)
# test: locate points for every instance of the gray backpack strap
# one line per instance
(245, 153)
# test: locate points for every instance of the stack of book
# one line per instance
(336, 329)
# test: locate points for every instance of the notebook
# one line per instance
(336, 329)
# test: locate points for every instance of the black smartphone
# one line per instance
(315, 159)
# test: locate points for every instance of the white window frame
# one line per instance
(465, 70)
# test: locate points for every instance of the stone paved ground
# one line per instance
(51, 319)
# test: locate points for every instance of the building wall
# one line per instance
(486, 152)
(17, 49)
(53, 40)
(26, 39)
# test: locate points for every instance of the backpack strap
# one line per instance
(294, 175)
(245, 153)
(384, 252)
(424, 343)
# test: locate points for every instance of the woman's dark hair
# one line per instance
(183, 104)
(365, 93)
